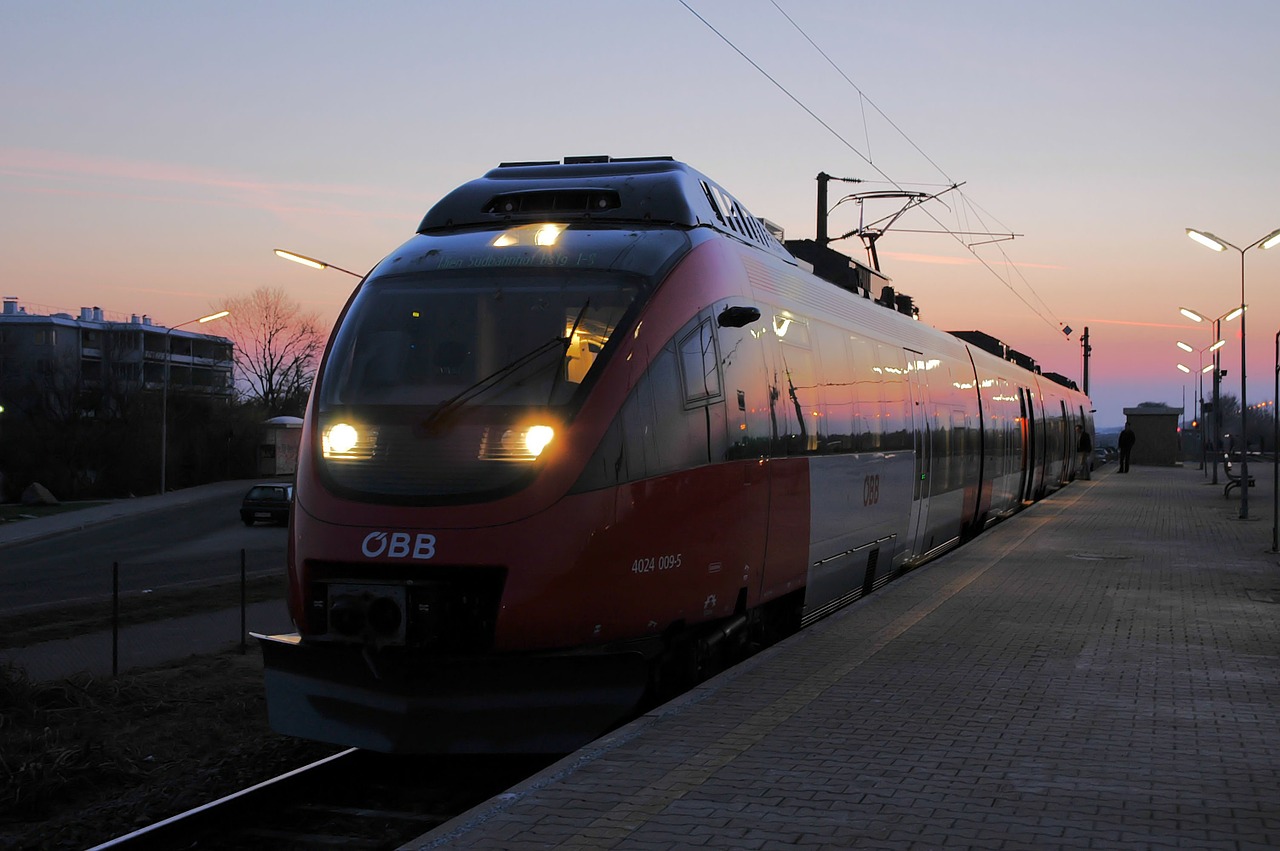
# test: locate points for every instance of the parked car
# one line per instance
(268, 501)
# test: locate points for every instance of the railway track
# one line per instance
(359, 799)
(353, 799)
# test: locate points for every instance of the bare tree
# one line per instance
(277, 346)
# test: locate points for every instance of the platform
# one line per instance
(1101, 671)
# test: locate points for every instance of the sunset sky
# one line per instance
(154, 153)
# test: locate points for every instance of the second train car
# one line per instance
(594, 426)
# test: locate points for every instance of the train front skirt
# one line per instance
(547, 703)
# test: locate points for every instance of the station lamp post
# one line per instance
(164, 393)
(1275, 456)
(1216, 364)
(1211, 348)
(1218, 244)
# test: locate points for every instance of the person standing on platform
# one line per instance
(1084, 445)
(1127, 439)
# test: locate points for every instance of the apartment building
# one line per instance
(57, 358)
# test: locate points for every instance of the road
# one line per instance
(183, 546)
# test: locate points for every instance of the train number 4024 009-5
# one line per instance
(650, 564)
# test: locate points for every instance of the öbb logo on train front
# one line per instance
(399, 545)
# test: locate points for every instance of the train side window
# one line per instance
(896, 421)
(835, 372)
(868, 375)
(700, 364)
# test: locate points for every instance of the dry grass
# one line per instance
(85, 760)
(12, 512)
(71, 620)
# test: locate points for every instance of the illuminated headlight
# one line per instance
(344, 440)
(524, 443)
(537, 437)
(547, 235)
(544, 235)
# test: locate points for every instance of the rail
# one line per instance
(171, 832)
(352, 799)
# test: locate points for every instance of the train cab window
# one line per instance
(585, 344)
(699, 364)
(522, 339)
(440, 377)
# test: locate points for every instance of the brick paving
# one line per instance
(1102, 671)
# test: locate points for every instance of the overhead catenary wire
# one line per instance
(956, 235)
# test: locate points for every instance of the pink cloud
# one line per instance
(261, 204)
(54, 170)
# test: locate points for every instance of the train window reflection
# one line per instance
(699, 364)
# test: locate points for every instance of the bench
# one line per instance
(1233, 479)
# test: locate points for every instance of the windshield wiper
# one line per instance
(437, 417)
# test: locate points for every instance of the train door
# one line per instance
(1039, 445)
(922, 442)
(1069, 441)
(760, 416)
(1027, 487)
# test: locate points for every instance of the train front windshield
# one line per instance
(451, 385)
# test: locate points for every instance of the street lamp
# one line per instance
(312, 262)
(1218, 244)
(1218, 342)
(1275, 453)
(164, 393)
(1212, 347)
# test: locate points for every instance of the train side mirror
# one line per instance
(737, 317)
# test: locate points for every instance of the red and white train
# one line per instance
(593, 425)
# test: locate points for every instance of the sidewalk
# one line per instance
(39, 528)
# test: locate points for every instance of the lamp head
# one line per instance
(1207, 239)
(301, 258)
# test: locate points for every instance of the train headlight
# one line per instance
(542, 235)
(537, 437)
(519, 443)
(547, 234)
(340, 437)
(344, 440)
